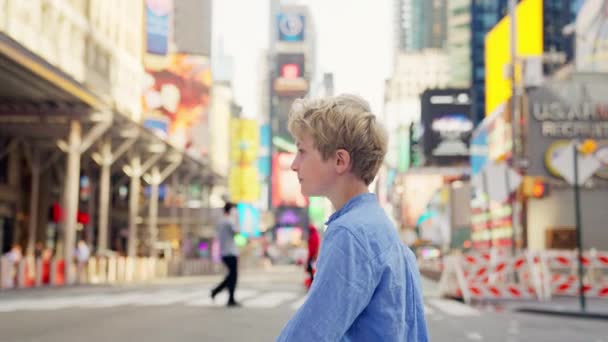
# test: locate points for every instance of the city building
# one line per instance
(484, 15)
(459, 42)
(72, 143)
(420, 24)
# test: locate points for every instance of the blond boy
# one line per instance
(367, 285)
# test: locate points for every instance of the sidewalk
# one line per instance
(564, 306)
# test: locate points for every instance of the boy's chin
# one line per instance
(310, 193)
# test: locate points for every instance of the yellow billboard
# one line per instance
(243, 180)
(529, 19)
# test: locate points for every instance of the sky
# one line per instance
(354, 41)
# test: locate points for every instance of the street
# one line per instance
(180, 309)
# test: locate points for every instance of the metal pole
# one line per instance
(104, 196)
(72, 179)
(134, 205)
(514, 116)
(579, 242)
(153, 210)
(34, 201)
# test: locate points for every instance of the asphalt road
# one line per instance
(180, 310)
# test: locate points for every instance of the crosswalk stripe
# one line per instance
(222, 298)
(115, 300)
(172, 297)
(269, 300)
(453, 308)
(296, 305)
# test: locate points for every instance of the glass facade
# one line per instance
(484, 15)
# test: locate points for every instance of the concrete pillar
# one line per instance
(72, 179)
(153, 211)
(34, 201)
(134, 190)
(104, 196)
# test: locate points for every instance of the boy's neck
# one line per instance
(345, 192)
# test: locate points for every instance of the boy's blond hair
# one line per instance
(342, 122)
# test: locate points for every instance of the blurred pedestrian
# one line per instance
(313, 251)
(82, 254)
(13, 256)
(226, 230)
(367, 284)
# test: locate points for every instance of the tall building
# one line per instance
(484, 15)
(420, 24)
(291, 70)
(556, 15)
(459, 42)
(414, 73)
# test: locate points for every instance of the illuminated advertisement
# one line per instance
(264, 155)
(291, 217)
(285, 185)
(497, 52)
(446, 116)
(176, 99)
(418, 191)
(244, 180)
(157, 25)
(249, 220)
(291, 27)
(290, 81)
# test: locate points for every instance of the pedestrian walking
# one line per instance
(226, 230)
(367, 284)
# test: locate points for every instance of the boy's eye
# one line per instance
(300, 151)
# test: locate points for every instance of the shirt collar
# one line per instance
(352, 203)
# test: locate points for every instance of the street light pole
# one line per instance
(579, 243)
(514, 116)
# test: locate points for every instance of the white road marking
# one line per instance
(269, 300)
(453, 308)
(222, 298)
(475, 336)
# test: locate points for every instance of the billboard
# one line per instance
(290, 80)
(176, 100)
(249, 220)
(592, 36)
(561, 111)
(291, 27)
(446, 117)
(244, 181)
(286, 189)
(158, 14)
(418, 191)
(291, 217)
(498, 54)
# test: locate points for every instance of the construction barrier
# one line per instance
(492, 275)
(560, 270)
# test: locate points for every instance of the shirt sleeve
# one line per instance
(342, 288)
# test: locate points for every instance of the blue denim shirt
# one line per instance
(367, 285)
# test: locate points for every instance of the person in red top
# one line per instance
(313, 249)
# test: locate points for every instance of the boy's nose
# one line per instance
(294, 164)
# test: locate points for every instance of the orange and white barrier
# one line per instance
(491, 275)
(560, 270)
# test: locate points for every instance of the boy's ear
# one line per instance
(342, 161)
